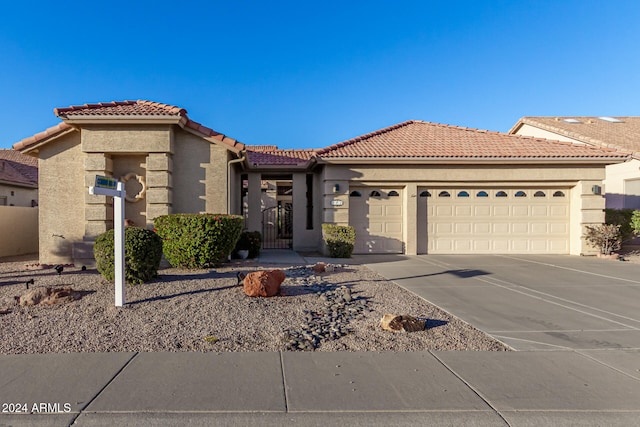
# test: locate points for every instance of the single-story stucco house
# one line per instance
(622, 180)
(413, 188)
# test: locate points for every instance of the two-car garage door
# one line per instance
(459, 220)
(497, 220)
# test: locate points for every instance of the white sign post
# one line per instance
(106, 186)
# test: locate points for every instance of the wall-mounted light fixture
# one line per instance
(596, 189)
(336, 188)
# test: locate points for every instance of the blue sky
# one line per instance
(302, 74)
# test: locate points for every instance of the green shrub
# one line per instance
(249, 241)
(198, 240)
(605, 237)
(339, 239)
(143, 251)
(621, 217)
(635, 222)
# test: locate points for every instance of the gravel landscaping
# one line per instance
(206, 310)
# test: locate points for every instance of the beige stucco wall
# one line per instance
(22, 196)
(18, 230)
(113, 138)
(62, 196)
(586, 208)
(616, 174)
(190, 159)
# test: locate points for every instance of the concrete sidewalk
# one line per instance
(318, 388)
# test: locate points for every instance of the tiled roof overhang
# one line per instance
(418, 142)
(126, 112)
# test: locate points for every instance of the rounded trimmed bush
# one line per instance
(339, 240)
(198, 240)
(142, 253)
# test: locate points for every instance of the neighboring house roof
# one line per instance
(620, 132)
(119, 111)
(18, 169)
(431, 141)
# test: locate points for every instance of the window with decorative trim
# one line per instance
(482, 193)
(463, 193)
(425, 193)
(355, 193)
(393, 193)
(558, 194)
(501, 194)
(520, 194)
(539, 194)
(375, 193)
(444, 194)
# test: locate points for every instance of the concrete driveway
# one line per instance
(529, 302)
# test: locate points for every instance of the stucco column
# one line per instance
(98, 210)
(300, 210)
(587, 208)
(410, 225)
(159, 185)
(254, 196)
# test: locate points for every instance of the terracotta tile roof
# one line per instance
(51, 132)
(425, 140)
(610, 132)
(262, 147)
(18, 168)
(119, 109)
(132, 110)
(277, 157)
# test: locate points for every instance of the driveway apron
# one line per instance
(529, 302)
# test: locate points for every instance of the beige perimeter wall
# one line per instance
(18, 230)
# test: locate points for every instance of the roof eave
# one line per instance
(516, 127)
(26, 147)
(19, 184)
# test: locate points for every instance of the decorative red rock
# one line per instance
(263, 283)
(319, 267)
(405, 323)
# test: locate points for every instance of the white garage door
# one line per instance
(376, 215)
(497, 220)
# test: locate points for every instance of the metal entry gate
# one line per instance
(277, 226)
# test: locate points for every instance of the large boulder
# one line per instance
(405, 323)
(263, 283)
